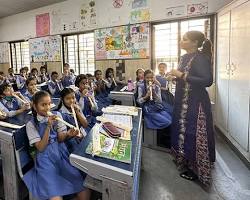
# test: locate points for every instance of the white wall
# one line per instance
(22, 26)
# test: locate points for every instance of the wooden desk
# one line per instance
(116, 180)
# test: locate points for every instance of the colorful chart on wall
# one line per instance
(123, 42)
(45, 49)
(4, 52)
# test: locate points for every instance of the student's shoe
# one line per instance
(189, 175)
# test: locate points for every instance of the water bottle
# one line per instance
(130, 85)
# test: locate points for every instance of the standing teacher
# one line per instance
(192, 127)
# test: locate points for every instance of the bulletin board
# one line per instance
(123, 42)
(45, 49)
(4, 52)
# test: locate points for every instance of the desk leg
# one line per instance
(10, 177)
(114, 191)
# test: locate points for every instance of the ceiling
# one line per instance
(11, 7)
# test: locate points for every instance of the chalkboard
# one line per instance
(4, 52)
(45, 49)
(122, 42)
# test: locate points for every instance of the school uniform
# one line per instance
(55, 88)
(43, 78)
(101, 95)
(85, 106)
(52, 175)
(166, 95)
(10, 105)
(72, 143)
(11, 78)
(28, 96)
(21, 83)
(68, 80)
(156, 115)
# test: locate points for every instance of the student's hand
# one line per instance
(72, 132)
(51, 120)
(85, 92)
(147, 94)
(27, 106)
(77, 108)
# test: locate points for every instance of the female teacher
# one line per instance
(192, 127)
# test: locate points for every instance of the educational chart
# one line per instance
(4, 53)
(123, 42)
(45, 49)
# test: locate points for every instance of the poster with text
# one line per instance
(123, 42)
(4, 53)
(45, 49)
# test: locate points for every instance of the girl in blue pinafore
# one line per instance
(86, 102)
(156, 115)
(20, 80)
(68, 78)
(52, 176)
(101, 92)
(13, 106)
(31, 88)
(67, 99)
(139, 81)
(166, 95)
(55, 85)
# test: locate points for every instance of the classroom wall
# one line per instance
(67, 14)
(4, 68)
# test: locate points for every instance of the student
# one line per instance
(11, 105)
(86, 102)
(52, 176)
(3, 112)
(149, 98)
(11, 76)
(68, 78)
(21, 79)
(55, 85)
(111, 81)
(3, 78)
(68, 99)
(139, 80)
(166, 95)
(44, 77)
(31, 88)
(34, 74)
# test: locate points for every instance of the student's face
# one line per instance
(111, 74)
(69, 99)
(54, 77)
(43, 106)
(149, 77)
(23, 73)
(65, 69)
(82, 84)
(187, 44)
(34, 73)
(98, 75)
(8, 91)
(140, 74)
(162, 68)
(32, 86)
(43, 71)
(10, 71)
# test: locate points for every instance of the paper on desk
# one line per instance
(120, 119)
(123, 110)
(9, 125)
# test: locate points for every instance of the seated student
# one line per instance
(52, 176)
(86, 101)
(68, 99)
(3, 78)
(11, 76)
(156, 116)
(34, 74)
(112, 82)
(166, 95)
(31, 88)
(139, 80)
(55, 85)
(67, 78)
(12, 105)
(21, 79)
(43, 77)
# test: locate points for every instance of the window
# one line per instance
(166, 38)
(19, 55)
(79, 52)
